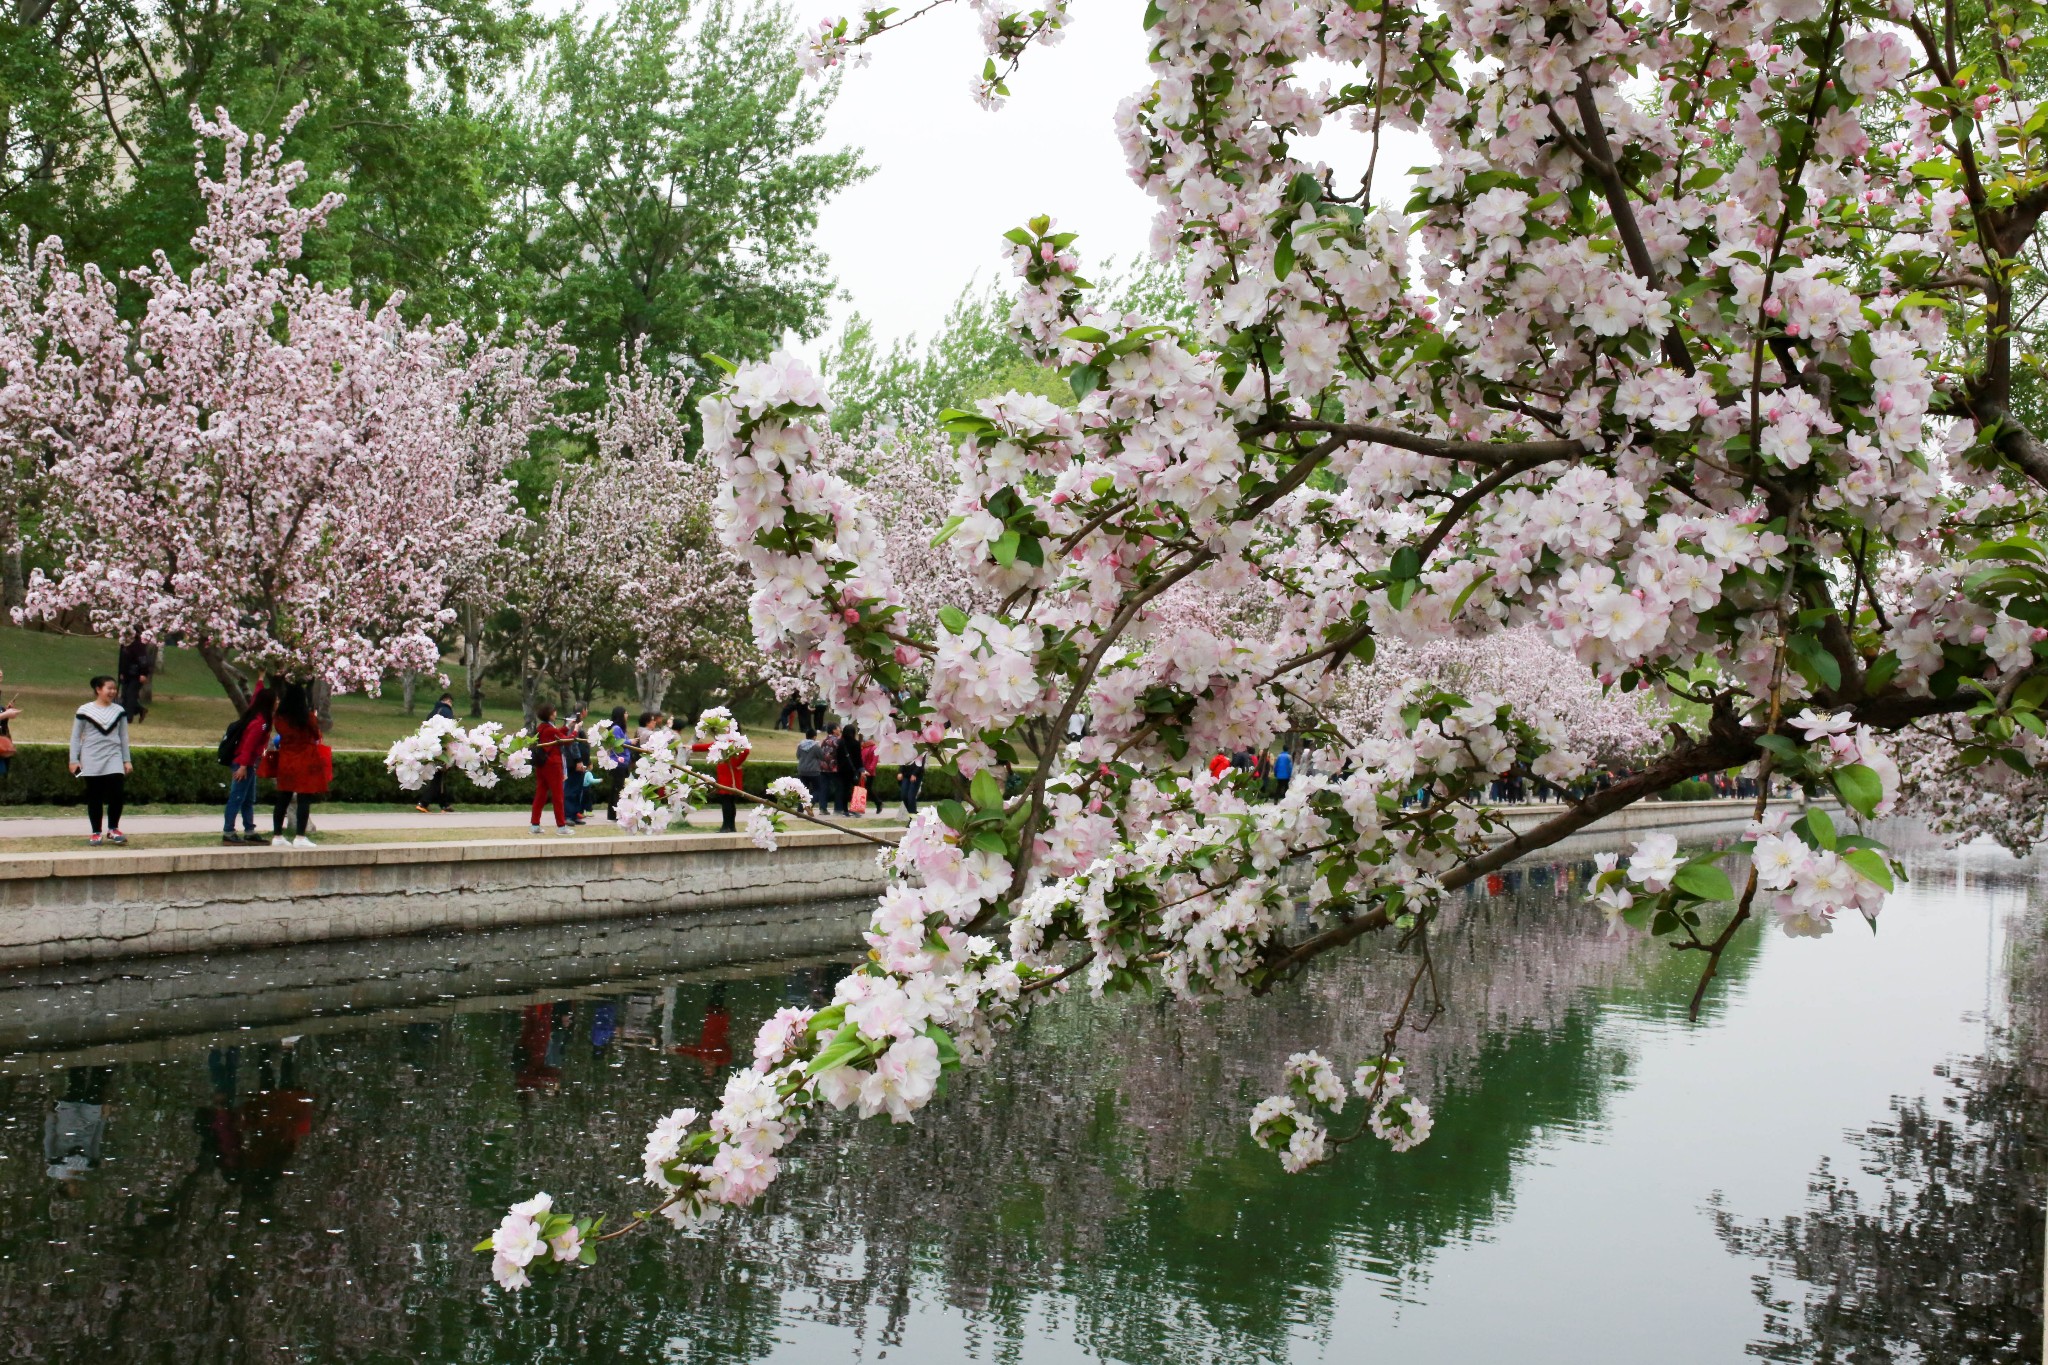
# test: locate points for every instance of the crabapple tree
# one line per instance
(267, 468)
(1691, 349)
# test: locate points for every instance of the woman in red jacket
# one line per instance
(305, 766)
(732, 777)
(547, 768)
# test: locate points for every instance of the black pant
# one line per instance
(1280, 788)
(437, 791)
(731, 806)
(284, 803)
(104, 794)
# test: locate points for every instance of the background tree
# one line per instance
(266, 468)
(663, 186)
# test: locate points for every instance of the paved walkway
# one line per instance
(72, 821)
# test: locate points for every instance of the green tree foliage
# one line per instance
(972, 357)
(664, 185)
(97, 131)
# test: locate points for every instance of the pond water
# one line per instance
(286, 1156)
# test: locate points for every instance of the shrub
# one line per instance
(166, 776)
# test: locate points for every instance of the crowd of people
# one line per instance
(278, 736)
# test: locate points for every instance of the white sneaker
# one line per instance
(536, 829)
(303, 842)
(563, 829)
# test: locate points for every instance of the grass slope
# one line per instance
(46, 676)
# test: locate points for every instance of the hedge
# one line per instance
(38, 776)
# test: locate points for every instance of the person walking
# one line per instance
(7, 713)
(575, 769)
(731, 775)
(249, 735)
(1283, 773)
(137, 661)
(849, 765)
(828, 770)
(868, 764)
(547, 769)
(910, 781)
(437, 785)
(305, 765)
(617, 781)
(100, 755)
(810, 767)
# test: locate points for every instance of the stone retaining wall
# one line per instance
(69, 907)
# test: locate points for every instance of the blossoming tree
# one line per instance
(264, 467)
(1696, 331)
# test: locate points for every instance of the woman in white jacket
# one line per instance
(99, 754)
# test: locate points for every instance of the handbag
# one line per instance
(266, 766)
(326, 766)
(858, 802)
(6, 747)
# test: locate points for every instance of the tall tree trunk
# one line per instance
(231, 680)
(530, 678)
(473, 658)
(322, 697)
(410, 685)
(653, 687)
(13, 581)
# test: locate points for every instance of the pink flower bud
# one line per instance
(1773, 307)
(1977, 634)
(1884, 404)
(2040, 634)
(851, 615)
(905, 655)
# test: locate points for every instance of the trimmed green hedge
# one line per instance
(38, 777)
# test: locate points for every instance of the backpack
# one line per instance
(231, 741)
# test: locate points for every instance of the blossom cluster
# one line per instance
(1295, 1123)
(482, 753)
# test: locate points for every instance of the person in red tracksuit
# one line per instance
(732, 777)
(547, 769)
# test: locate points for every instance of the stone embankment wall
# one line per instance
(73, 907)
(70, 907)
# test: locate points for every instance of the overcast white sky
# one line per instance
(950, 177)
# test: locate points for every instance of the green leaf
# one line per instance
(1859, 788)
(1706, 881)
(844, 1047)
(1405, 564)
(1822, 826)
(1882, 670)
(1153, 14)
(1870, 865)
(1283, 258)
(953, 816)
(985, 791)
(722, 363)
(953, 619)
(1085, 380)
(989, 841)
(953, 523)
(486, 1243)
(949, 1054)
(1003, 549)
(1781, 746)
(1094, 335)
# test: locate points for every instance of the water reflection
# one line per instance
(308, 1187)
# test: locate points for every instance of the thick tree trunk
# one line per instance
(322, 697)
(473, 658)
(410, 685)
(653, 687)
(231, 680)
(13, 580)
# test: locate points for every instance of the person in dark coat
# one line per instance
(850, 769)
(437, 785)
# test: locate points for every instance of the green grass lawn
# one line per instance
(46, 676)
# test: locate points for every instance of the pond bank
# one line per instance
(72, 907)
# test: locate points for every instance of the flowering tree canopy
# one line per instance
(1692, 351)
(261, 466)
